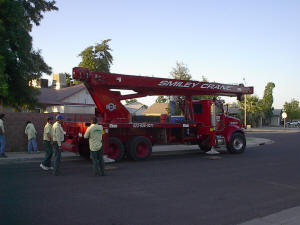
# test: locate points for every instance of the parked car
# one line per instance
(295, 123)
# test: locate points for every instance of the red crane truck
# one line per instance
(204, 122)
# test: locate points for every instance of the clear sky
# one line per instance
(225, 41)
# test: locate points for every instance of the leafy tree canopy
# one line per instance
(259, 108)
(132, 100)
(267, 100)
(162, 99)
(97, 58)
(292, 109)
(19, 62)
(181, 72)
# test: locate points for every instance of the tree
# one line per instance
(19, 62)
(97, 58)
(130, 101)
(254, 109)
(69, 79)
(267, 102)
(258, 109)
(292, 109)
(181, 72)
(162, 99)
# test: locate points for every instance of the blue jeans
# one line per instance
(2, 144)
(32, 144)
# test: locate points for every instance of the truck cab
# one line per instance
(210, 114)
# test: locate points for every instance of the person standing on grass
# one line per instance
(94, 134)
(46, 164)
(30, 131)
(58, 138)
(2, 138)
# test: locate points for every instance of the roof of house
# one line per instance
(157, 109)
(50, 96)
(134, 107)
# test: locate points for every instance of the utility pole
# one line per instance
(245, 106)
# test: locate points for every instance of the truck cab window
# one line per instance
(198, 108)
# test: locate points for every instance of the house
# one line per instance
(74, 99)
(136, 108)
(276, 118)
(157, 109)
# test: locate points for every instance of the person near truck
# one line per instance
(58, 138)
(46, 164)
(2, 138)
(30, 131)
(94, 134)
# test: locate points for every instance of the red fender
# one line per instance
(230, 130)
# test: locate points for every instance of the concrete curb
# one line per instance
(272, 130)
(287, 217)
(159, 150)
(20, 158)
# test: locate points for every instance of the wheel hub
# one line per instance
(238, 144)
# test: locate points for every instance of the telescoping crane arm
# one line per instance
(108, 102)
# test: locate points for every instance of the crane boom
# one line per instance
(108, 102)
(158, 86)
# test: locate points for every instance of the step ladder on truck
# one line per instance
(204, 122)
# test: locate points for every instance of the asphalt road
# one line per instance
(170, 190)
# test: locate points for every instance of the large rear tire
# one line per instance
(140, 148)
(237, 143)
(116, 149)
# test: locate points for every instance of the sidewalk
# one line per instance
(285, 217)
(158, 150)
(273, 130)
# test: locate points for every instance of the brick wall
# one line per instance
(15, 123)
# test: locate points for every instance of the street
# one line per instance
(186, 189)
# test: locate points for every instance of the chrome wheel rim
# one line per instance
(238, 144)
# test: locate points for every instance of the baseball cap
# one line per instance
(59, 117)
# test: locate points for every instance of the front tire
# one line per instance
(237, 143)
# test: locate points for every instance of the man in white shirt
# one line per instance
(94, 134)
(2, 138)
(30, 131)
(58, 137)
(46, 164)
